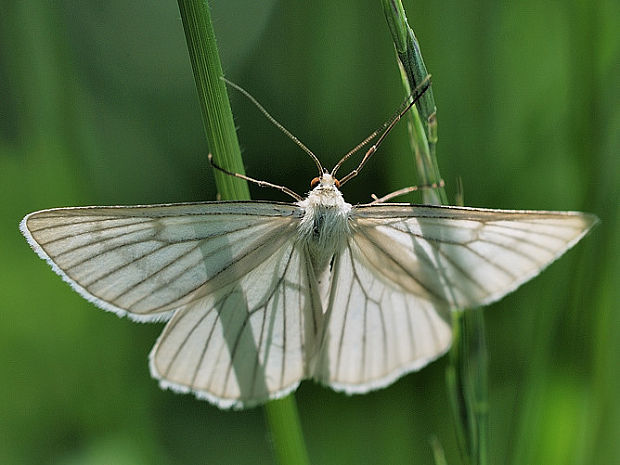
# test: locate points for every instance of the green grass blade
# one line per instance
(422, 120)
(213, 98)
(466, 377)
(283, 420)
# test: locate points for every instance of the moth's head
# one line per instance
(325, 181)
(325, 194)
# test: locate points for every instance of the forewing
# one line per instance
(147, 261)
(248, 341)
(464, 257)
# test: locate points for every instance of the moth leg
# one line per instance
(405, 190)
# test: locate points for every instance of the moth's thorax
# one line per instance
(325, 224)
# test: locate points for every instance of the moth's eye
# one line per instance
(337, 183)
(314, 182)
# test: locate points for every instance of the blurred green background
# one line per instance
(98, 106)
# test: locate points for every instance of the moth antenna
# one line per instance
(374, 134)
(284, 189)
(273, 121)
(386, 128)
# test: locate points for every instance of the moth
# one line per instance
(259, 296)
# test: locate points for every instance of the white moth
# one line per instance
(261, 295)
